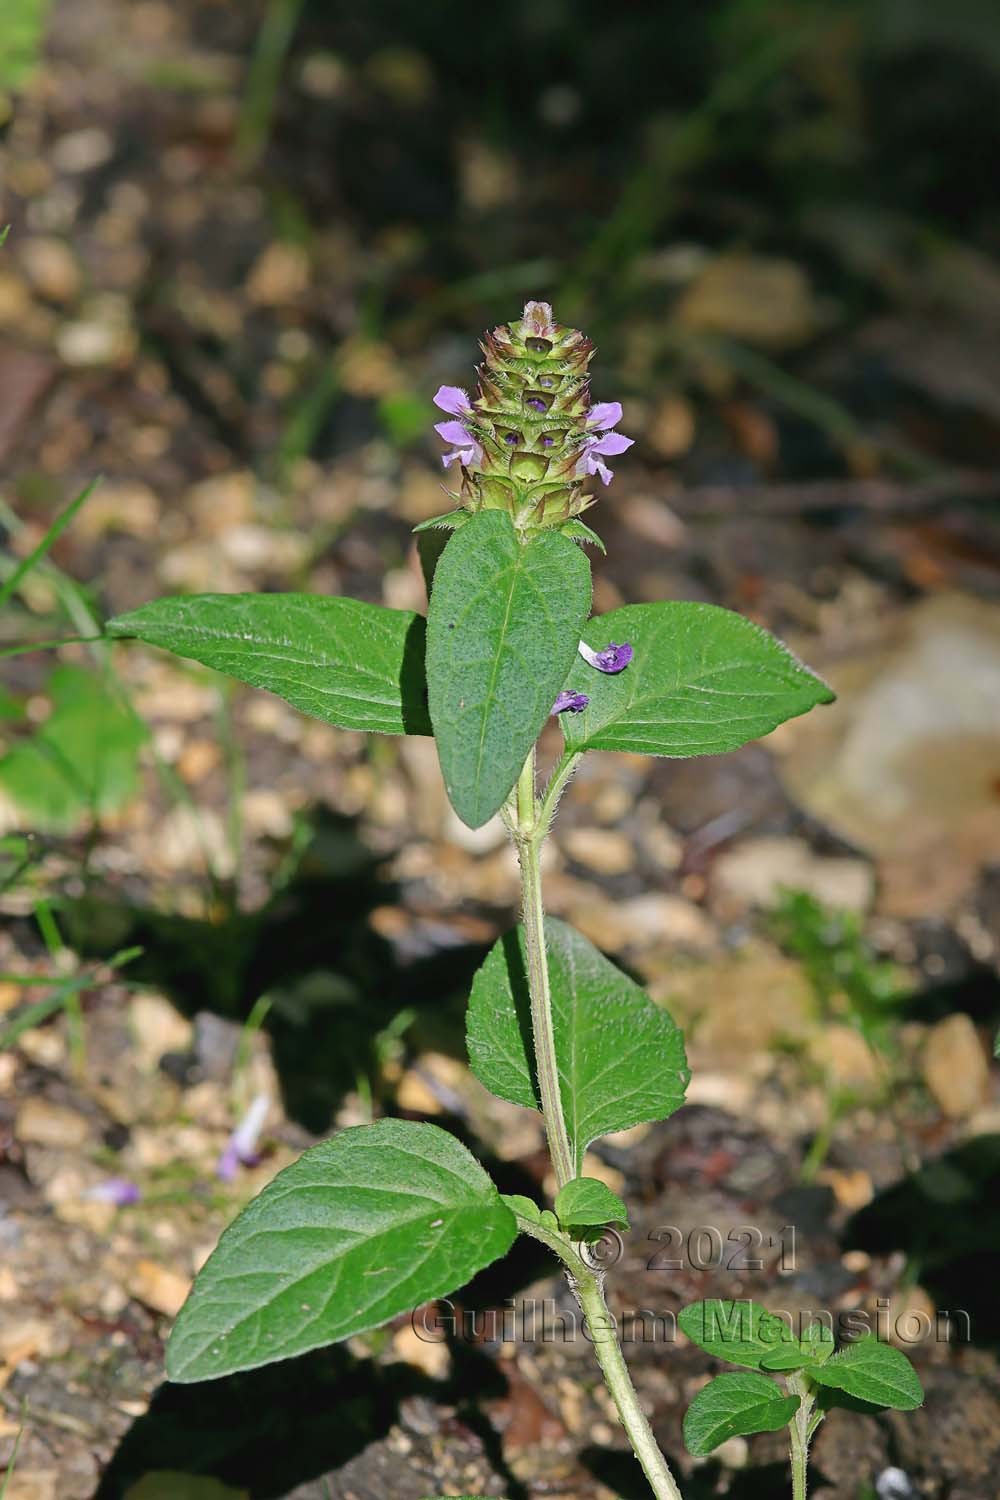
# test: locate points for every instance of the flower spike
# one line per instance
(529, 439)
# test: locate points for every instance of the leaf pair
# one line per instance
(505, 621)
(746, 1334)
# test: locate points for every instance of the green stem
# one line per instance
(604, 1335)
(529, 836)
(529, 823)
(800, 1430)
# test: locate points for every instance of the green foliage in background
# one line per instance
(81, 761)
(22, 31)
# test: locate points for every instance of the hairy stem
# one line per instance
(800, 1429)
(529, 820)
(529, 836)
(604, 1335)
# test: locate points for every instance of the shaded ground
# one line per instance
(241, 330)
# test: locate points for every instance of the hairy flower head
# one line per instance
(529, 439)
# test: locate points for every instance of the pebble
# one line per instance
(603, 850)
(154, 1286)
(40, 1123)
(278, 276)
(844, 1055)
(955, 1067)
(428, 1354)
(51, 267)
(157, 1028)
(759, 870)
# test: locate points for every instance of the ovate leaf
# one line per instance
(621, 1058)
(702, 680)
(814, 1347)
(362, 1227)
(731, 1405)
(743, 1332)
(355, 665)
(503, 627)
(588, 1201)
(872, 1371)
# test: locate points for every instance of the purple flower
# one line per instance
(452, 399)
(568, 702)
(241, 1148)
(116, 1190)
(611, 660)
(606, 445)
(604, 415)
(466, 450)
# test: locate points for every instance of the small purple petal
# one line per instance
(610, 443)
(568, 702)
(452, 398)
(612, 659)
(604, 414)
(548, 442)
(116, 1190)
(453, 432)
(468, 457)
(536, 403)
(591, 464)
(241, 1148)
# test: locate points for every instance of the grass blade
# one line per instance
(53, 534)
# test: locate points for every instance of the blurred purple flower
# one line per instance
(116, 1190)
(241, 1148)
(568, 702)
(612, 659)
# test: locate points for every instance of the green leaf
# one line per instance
(587, 1200)
(82, 760)
(362, 1227)
(502, 630)
(702, 680)
(449, 520)
(872, 1371)
(621, 1058)
(355, 665)
(815, 1347)
(742, 1332)
(527, 1208)
(731, 1405)
(576, 530)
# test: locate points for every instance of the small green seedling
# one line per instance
(792, 1380)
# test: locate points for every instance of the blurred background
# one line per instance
(246, 244)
